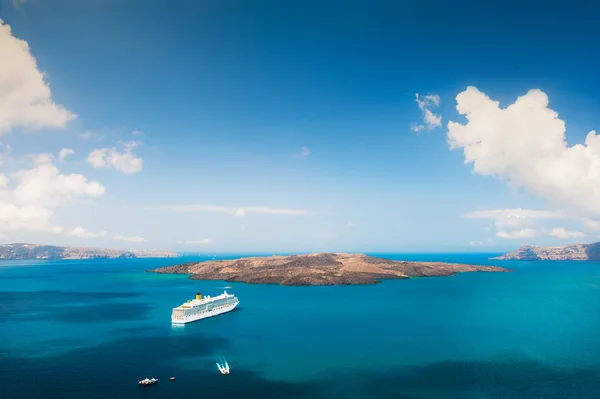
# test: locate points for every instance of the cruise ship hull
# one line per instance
(206, 314)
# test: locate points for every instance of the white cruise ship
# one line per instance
(203, 307)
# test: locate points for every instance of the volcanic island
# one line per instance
(318, 269)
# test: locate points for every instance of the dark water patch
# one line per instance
(91, 313)
(139, 330)
(20, 303)
(108, 370)
(113, 369)
(519, 378)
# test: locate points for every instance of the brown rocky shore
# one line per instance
(318, 269)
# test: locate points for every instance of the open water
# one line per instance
(93, 329)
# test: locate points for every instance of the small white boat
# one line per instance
(223, 368)
(148, 381)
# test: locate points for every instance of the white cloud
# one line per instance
(45, 185)
(3, 180)
(137, 132)
(515, 223)
(202, 241)
(591, 224)
(234, 211)
(350, 225)
(26, 218)
(28, 197)
(39, 159)
(524, 145)
(119, 237)
(65, 152)
(302, 152)
(523, 223)
(126, 162)
(514, 213)
(430, 120)
(561, 232)
(517, 234)
(6, 155)
(80, 232)
(480, 243)
(89, 135)
(25, 96)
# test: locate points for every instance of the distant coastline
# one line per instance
(318, 269)
(565, 252)
(23, 251)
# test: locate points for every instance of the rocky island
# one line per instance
(566, 252)
(318, 269)
(37, 251)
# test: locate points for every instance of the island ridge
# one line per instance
(318, 269)
(37, 251)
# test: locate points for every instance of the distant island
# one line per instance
(318, 269)
(37, 251)
(566, 252)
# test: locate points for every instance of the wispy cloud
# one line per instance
(480, 243)
(80, 232)
(302, 152)
(201, 241)
(126, 162)
(89, 135)
(515, 223)
(517, 234)
(516, 213)
(65, 152)
(430, 120)
(561, 232)
(119, 237)
(238, 211)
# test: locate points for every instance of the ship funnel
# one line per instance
(198, 296)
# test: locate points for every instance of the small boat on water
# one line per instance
(148, 381)
(228, 287)
(223, 368)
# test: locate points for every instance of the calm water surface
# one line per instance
(92, 329)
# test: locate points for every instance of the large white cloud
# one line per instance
(28, 217)
(524, 144)
(45, 185)
(25, 96)
(126, 162)
(28, 197)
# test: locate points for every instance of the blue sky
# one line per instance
(227, 126)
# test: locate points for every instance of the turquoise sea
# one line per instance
(92, 329)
